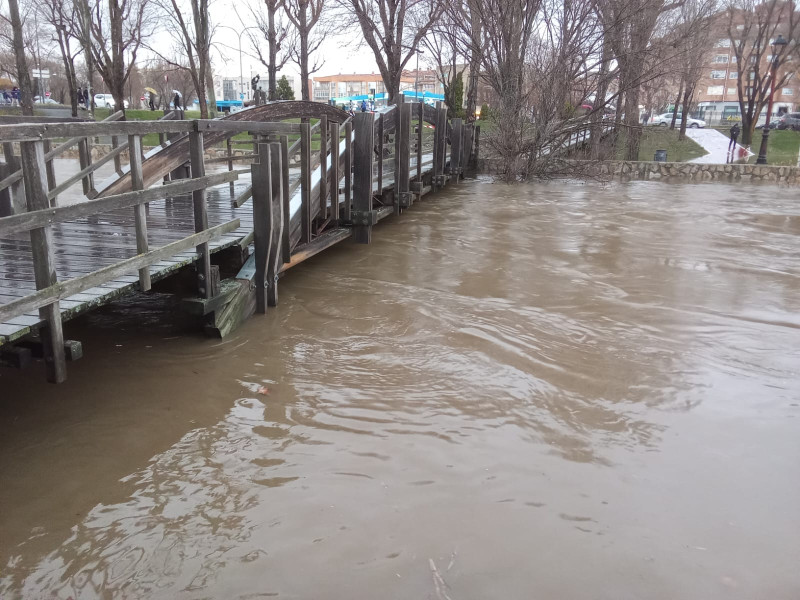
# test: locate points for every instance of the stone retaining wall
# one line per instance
(647, 170)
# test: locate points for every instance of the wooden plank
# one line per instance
(17, 195)
(92, 167)
(286, 242)
(139, 214)
(51, 174)
(456, 140)
(262, 221)
(324, 241)
(63, 289)
(276, 223)
(348, 171)
(33, 169)
(254, 127)
(334, 131)
(403, 158)
(40, 218)
(305, 182)
(323, 168)
(229, 152)
(85, 159)
(362, 186)
(30, 131)
(205, 286)
(420, 128)
(380, 135)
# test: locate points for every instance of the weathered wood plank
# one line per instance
(139, 214)
(334, 132)
(363, 216)
(348, 172)
(262, 222)
(286, 241)
(205, 286)
(323, 168)
(456, 141)
(91, 168)
(276, 222)
(305, 182)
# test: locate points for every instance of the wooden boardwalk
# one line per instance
(282, 204)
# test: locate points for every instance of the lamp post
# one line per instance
(416, 76)
(241, 76)
(777, 45)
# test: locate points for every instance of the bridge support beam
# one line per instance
(363, 216)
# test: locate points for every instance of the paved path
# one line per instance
(716, 144)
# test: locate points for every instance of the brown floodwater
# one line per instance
(545, 391)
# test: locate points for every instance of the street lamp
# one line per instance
(416, 76)
(777, 45)
(241, 77)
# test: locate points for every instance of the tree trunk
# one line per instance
(303, 33)
(634, 130)
(474, 63)
(677, 103)
(272, 71)
(687, 97)
(23, 73)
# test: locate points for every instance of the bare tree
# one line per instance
(393, 30)
(18, 46)
(192, 35)
(447, 55)
(118, 32)
(311, 29)
(751, 27)
(276, 33)
(63, 21)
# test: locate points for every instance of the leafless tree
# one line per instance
(119, 30)
(62, 20)
(276, 32)
(310, 30)
(192, 32)
(448, 56)
(751, 27)
(393, 29)
(23, 75)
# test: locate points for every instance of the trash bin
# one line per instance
(661, 156)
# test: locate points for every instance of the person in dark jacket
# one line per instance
(152, 102)
(734, 135)
(363, 106)
(177, 101)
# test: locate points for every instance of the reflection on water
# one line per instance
(545, 391)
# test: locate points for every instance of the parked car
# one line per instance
(38, 100)
(665, 119)
(106, 101)
(790, 121)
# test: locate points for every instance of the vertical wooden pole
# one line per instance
(455, 153)
(419, 144)
(305, 183)
(229, 149)
(85, 158)
(44, 268)
(286, 243)
(348, 171)
(205, 285)
(18, 203)
(51, 173)
(6, 207)
(323, 168)
(262, 221)
(334, 127)
(441, 127)
(380, 135)
(402, 171)
(364, 153)
(117, 161)
(276, 223)
(139, 211)
(476, 146)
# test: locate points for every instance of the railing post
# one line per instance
(323, 168)
(403, 148)
(363, 216)
(419, 144)
(229, 149)
(117, 161)
(476, 146)
(348, 172)
(262, 221)
(17, 193)
(207, 285)
(44, 268)
(139, 211)
(380, 134)
(286, 243)
(334, 127)
(51, 173)
(276, 223)
(440, 145)
(455, 152)
(305, 182)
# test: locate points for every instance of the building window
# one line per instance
(732, 91)
(721, 58)
(715, 90)
(724, 43)
(733, 75)
(787, 91)
(740, 27)
(717, 74)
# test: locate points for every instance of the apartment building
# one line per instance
(327, 87)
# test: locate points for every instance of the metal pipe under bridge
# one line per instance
(310, 177)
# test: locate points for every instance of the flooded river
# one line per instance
(546, 391)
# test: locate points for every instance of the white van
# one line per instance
(106, 101)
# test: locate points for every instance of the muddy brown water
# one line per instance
(544, 391)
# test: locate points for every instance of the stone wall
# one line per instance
(674, 172)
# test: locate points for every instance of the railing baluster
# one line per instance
(348, 172)
(419, 144)
(380, 135)
(205, 286)
(334, 127)
(276, 223)
(402, 160)
(286, 241)
(323, 168)
(363, 215)
(262, 221)
(139, 211)
(305, 182)
(455, 154)
(44, 268)
(229, 149)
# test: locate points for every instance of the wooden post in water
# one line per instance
(348, 172)
(262, 221)
(402, 173)
(305, 183)
(363, 216)
(455, 153)
(334, 127)
(44, 268)
(476, 146)
(286, 244)
(380, 135)
(276, 222)
(323, 168)
(420, 129)
(206, 286)
(139, 211)
(440, 145)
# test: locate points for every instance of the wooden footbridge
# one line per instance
(312, 177)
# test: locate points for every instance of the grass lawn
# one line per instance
(782, 148)
(663, 138)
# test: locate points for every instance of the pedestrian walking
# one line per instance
(152, 102)
(734, 135)
(177, 101)
(363, 106)
(87, 98)
(80, 97)
(645, 119)
(6, 97)
(15, 96)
